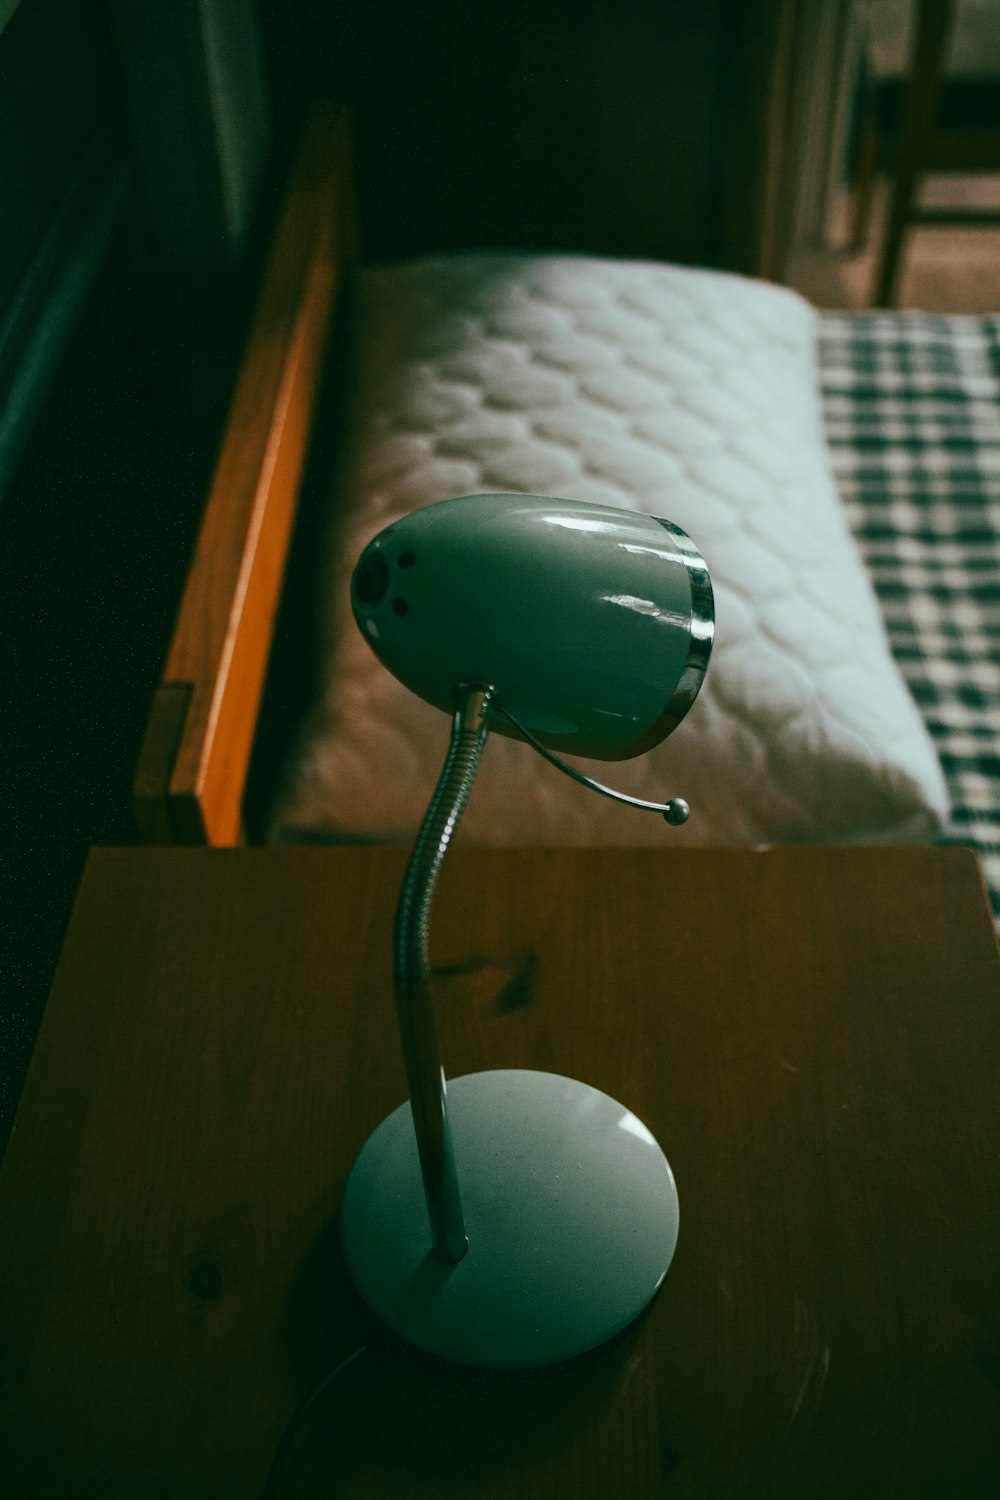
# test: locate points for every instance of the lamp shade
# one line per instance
(593, 625)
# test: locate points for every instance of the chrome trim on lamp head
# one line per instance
(702, 630)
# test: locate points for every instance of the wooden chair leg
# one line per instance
(932, 31)
(863, 190)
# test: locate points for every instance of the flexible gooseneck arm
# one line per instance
(411, 971)
(411, 966)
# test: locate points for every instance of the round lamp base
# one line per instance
(570, 1209)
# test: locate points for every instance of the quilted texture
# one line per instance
(688, 394)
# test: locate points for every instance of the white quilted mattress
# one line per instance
(687, 394)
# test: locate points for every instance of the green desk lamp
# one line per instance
(514, 1218)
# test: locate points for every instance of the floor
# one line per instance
(946, 269)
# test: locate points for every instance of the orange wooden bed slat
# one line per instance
(192, 770)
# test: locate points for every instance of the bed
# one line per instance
(906, 452)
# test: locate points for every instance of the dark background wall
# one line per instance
(646, 127)
(125, 275)
(140, 164)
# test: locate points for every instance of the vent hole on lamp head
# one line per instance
(400, 607)
(371, 581)
(406, 560)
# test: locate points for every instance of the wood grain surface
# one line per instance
(812, 1035)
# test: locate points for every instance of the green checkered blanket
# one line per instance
(912, 410)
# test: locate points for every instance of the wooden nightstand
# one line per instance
(812, 1034)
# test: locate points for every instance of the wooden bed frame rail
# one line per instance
(199, 738)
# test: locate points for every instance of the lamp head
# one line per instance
(593, 625)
